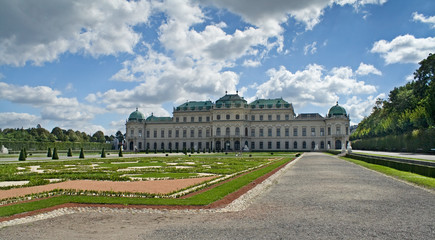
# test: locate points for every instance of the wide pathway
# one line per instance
(320, 197)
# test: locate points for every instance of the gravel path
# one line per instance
(319, 197)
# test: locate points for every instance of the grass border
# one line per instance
(414, 178)
(201, 199)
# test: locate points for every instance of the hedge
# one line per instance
(415, 141)
(43, 146)
(427, 171)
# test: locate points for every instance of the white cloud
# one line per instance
(358, 108)
(312, 85)
(310, 48)
(251, 63)
(40, 31)
(404, 49)
(417, 17)
(18, 120)
(366, 69)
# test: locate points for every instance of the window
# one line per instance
(155, 145)
(295, 145)
(162, 134)
(252, 132)
(313, 131)
(132, 132)
(338, 130)
(148, 145)
(192, 145)
(227, 131)
(287, 145)
(278, 145)
(207, 145)
(192, 133)
(228, 117)
(269, 117)
(177, 119)
(199, 133)
(207, 132)
(261, 132)
(237, 116)
(162, 146)
(218, 131)
(246, 117)
(207, 119)
(169, 133)
(184, 145)
(287, 132)
(278, 132)
(218, 117)
(237, 131)
(295, 132)
(184, 119)
(269, 132)
(304, 145)
(261, 145)
(177, 146)
(140, 145)
(329, 130)
(155, 133)
(177, 133)
(192, 119)
(313, 145)
(170, 145)
(278, 117)
(269, 145)
(322, 131)
(261, 117)
(252, 117)
(199, 145)
(287, 117)
(322, 145)
(304, 131)
(148, 134)
(140, 133)
(184, 133)
(252, 145)
(199, 119)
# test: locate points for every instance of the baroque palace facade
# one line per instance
(234, 125)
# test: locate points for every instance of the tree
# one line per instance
(49, 152)
(119, 136)
(58, 133)
(82, 154)
(22, 156)
(99, 137)
(103, 153)
(55, 156)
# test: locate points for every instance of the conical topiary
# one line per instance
(22, 156)
(120, 152)
(82, 154)
(55, 156)
(69, 152)
(25, 153)
(49, 152)
(103, 153)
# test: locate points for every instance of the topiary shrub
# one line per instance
(103, 153)
(147, 151)
(22, 157)
(120, 153)
(25, 152)
(69, 152)
(55, 156)
(49, 153)
(82, 154)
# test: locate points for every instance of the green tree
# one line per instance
(99, 137)
(49, 152)
(22, 156)
(82, 153)
(103, 153)
(55, 156)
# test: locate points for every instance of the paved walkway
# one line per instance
(320, 197)
(400, 154)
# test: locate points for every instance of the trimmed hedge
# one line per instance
(415, 141)
(17, 145)
(427, 171)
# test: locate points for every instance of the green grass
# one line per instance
(201, 199)
(427, 182)
(166, 175)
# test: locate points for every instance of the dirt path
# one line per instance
(154, 187)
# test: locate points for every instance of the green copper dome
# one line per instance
(136, 115)
(337, 110)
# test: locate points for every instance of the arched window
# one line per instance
(237, 116)
(218, 131)
(162, 146)
(170, 145)
(295, 145)
(313, 145)
(155, 145)
(228, 117)
(322, 145)
(237, 131)
(227, 131)
(304, 145)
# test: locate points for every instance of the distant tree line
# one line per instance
(409, 108)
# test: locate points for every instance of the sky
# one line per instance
(86, 65)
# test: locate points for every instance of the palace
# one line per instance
(233, 124)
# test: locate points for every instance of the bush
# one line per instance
(25, 152)
(55, 156)
(103, 153)
(22, 157)
(69, 152)
(49, 153)
(82, 154)
(120, 153)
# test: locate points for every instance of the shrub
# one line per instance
(25, 152)
(69, 152)
(49, 152)
(147, 151)
(82, 154)
(103, 153)
(55, 156)
(185, 151)
(120, 153)
(22, 156)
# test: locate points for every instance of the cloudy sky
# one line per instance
(86, 65)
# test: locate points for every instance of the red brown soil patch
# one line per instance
(153, 187)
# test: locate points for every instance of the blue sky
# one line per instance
(86, 65)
